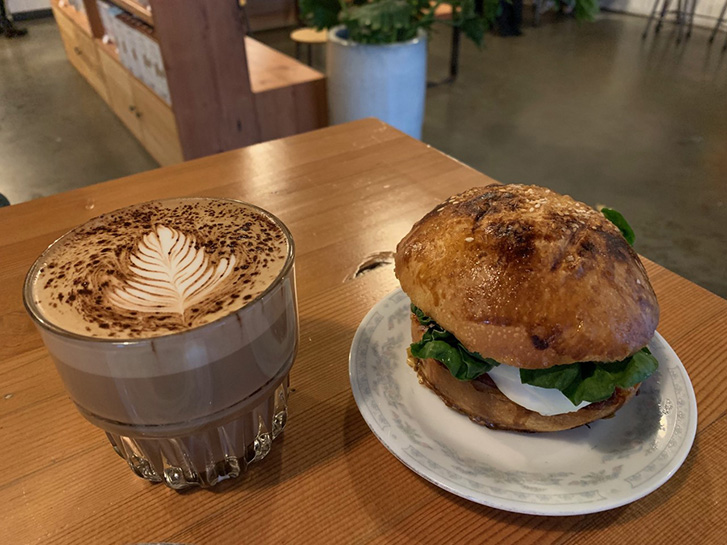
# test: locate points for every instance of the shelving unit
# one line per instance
(136, 9)
(79, 45)
(227, 90)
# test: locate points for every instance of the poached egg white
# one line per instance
(546, 401)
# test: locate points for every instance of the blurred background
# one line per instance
(592, 103)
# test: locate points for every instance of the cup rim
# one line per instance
(37, 316)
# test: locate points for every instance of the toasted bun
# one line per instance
(528, 277)
(485, 404)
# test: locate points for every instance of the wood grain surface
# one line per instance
(72, 13)
(270, 69)
(346, 192)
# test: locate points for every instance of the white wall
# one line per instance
(18, 6)
(705, 13)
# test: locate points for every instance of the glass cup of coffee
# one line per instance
(173, 325)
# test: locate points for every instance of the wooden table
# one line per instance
(346, 192)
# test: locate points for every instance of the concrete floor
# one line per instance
(596, 112)
(56, 133)
(590, 110)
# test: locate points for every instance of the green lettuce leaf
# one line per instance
(583, 381)
(640, 367)
(598, 386)
(423, 318)
(440, 344)
(591, 381)
(558, 377)
(615, 217)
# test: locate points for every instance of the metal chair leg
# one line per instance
(453, 59)
(649, 20)
(664, 9)
(691, 18)
(680, 19)
(454, 56)
(719, 22)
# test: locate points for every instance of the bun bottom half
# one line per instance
(485, 404)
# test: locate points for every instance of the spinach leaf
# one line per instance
(582, 381)
(558, 377)
(615, 217)
(423, 318)
(440, 344)
(639, 367)
(592, 381)
(599, 385)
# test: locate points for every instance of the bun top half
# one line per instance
(528, 277)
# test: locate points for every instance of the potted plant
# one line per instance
(377, 52)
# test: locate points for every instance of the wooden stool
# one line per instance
(309, 37)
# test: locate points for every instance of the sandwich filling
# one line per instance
(554, 390)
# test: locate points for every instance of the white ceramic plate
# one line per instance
(586, 470)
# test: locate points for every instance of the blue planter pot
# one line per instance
(385, 81)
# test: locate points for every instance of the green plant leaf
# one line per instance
(320, 14)
(474, 28)
(615, 217)
(391, 21)
(380, 22)
(586, 10)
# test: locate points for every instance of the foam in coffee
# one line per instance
(158, 268)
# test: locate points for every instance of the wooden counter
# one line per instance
(345, 192)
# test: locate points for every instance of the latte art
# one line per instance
(159, 267)
(170, 273)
